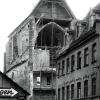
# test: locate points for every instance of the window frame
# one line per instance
(67, 92)
(79, 59)
(48, 80)
(72, 63)
(67, 65)
(86, 88)
(63, 93)
(93, 92)
(86, 57)
(72, 91)
(79, 90)
(63, 67)
(58, 73)
(59, 93)
(94, 51)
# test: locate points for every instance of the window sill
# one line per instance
(78, 68)
(63, 75)
(93, 61)
(72, 71)
(86, 65)
(67, 73)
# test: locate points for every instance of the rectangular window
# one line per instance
(86, 57)
(93, 86)
(72, 62)
(66, 40)
(48, 80)
(38, 80)
(78, 90)
(67, 93)
(58, 69)
(79, 60)
(59, 94)
(94, 53)
(63, 66)
(72, 91)
(63, 93)
(67, 65)
(86, 88)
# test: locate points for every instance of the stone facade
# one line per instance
(34, 43)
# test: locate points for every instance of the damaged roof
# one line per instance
(53, 9)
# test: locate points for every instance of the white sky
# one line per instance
(13, 12)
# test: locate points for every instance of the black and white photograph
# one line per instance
(50, 50)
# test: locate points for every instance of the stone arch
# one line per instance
(51, 35)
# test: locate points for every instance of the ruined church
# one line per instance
(33, 47)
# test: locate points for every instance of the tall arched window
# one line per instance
(86, 88)
(78, 89)
(93, 86)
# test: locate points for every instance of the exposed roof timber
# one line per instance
(36, 8)
(68, 19)
(62, 29)
(68, 10)
(49, 47)
(23, 23)
(65, 5)
(53, 14)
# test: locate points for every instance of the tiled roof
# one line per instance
(78, 42)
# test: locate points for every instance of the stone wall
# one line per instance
(17, 48)
(20, 75)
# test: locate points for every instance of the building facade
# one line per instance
(30, 54)
(78, 66)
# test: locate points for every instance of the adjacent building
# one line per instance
(78, 65)
(30, 58)
(9, 90)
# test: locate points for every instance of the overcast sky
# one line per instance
(13, 12)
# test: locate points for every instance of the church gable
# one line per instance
(57, 9)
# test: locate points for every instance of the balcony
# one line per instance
(38, 86)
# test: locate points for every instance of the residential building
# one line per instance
(81, 77)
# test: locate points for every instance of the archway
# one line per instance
(51, 35)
